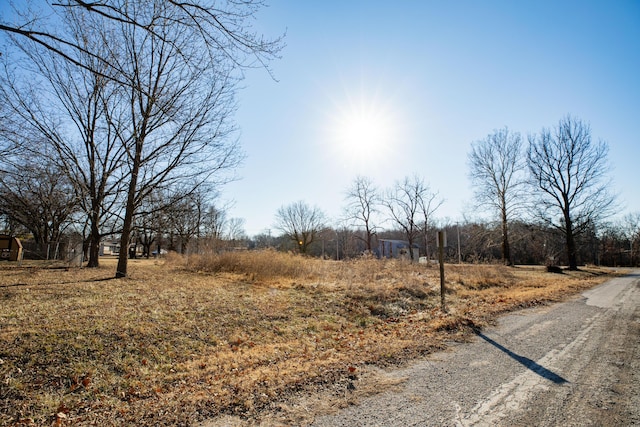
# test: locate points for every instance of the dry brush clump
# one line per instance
(483, 276)
(231, 334)
(384, 288)
(256, 265)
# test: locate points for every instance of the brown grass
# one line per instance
(237, 333)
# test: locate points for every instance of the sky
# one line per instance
(391, 89)
(388, 90)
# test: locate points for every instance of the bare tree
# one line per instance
(9, 134)
(496, 166)
(176, 66)
(428, 204)
(301, 223)
(214, 222)
(184, 218)
(569, 170)
(411, 204)
(72, 122)
(149, 224)
(36, 195)
(363, 199)
(180, 103)
(235, 229)
(220, 27)
(630, 227)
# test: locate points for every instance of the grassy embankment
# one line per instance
(186, 339)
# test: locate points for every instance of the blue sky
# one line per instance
(423, 79)
(434, 76)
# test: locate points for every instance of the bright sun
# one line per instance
(363, 130)
(362, 133)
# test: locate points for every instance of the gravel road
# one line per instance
(569, 364)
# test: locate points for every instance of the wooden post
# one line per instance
(441, 259)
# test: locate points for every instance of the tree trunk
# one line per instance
(571, 245)
(94, 241)
(123, 255)
(411, 240)
(94, 253)
(506, 249)
(121, 270)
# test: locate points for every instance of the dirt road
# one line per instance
(570, 364)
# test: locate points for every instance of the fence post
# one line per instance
(441, 259)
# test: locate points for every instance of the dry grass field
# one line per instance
(185, 339)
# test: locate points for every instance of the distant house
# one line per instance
(10, 248)
(109, 247)
(399, 249)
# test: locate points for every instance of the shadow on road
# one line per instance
(528, 363)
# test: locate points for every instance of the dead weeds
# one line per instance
(237, 334)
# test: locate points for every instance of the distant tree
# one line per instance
(235, 229)
(36, 195)
(630, 227)
(612, 245)
(11, 227)
(301, 223)
(214, 221)
(184, 215)
(262, 241)
(479, 242)
(428, 204)
(363, 201)
(532, 243)
(496, 166)
(151, 222)
(568, 170)
(410, 204)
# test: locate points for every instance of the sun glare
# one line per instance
(362, 133)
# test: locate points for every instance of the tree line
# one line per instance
(549, 201)
(477, 241)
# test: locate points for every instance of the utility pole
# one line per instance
(459, 253)
(441, 259)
